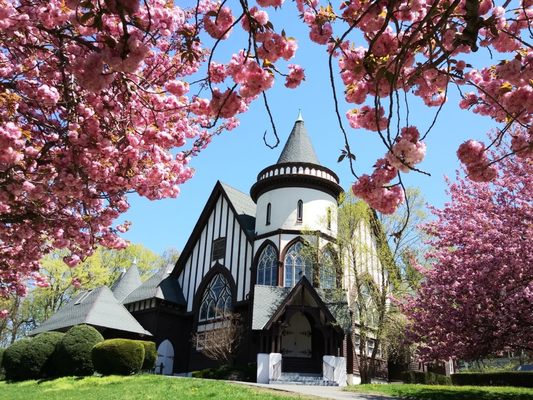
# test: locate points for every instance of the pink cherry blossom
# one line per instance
(295, 77)
(476, 299)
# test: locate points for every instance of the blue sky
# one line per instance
(236, 157)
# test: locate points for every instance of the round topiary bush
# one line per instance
(150, 355)
(45, 347)
(118, 357)
(14, 360)
(74, 351)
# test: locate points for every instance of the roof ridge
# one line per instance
(224, 184)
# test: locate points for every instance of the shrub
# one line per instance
(32, 358)
(426, 378)
(150, 355)
(246, 373)
(74, 352)
(523, 379)
(118, 356)
(43, 349)
(14, 360)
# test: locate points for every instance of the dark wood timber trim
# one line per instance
(210, 205)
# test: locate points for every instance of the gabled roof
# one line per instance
(97, 307)
(298, 148)
(158, 286)
(244, 207)
(266, 301)
(128, 281)
(241, 205)
(270, 302)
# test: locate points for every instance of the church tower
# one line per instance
(295, 195)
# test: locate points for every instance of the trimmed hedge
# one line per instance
(150, 355)
(426, 378)
(14, 360)
(74, 352)
(43, 351)
(118, 356)
(514, 378)
(245, 373)
(30, 358)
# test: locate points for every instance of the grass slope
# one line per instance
(430, 392)
(145, 387)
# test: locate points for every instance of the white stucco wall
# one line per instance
(284, 204)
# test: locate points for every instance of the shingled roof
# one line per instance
(244, 207)
(128, 281)
(266, 301)
(97, 307)
(269, 300)
(298, 147)
(158, 286)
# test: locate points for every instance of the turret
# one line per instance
(297, 192)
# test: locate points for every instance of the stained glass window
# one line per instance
(327, 270)
(267, 267)
(216, 301)
(297, 265)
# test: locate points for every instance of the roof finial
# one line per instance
(300, 118)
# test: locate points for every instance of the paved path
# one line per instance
(326, 392)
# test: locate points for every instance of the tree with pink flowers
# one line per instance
(477, 299)
(97, 95)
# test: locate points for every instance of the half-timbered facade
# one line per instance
(248, 255)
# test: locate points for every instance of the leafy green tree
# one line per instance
(372, 255)
(102, 268)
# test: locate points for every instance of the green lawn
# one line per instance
(145, 387)
(430, 392)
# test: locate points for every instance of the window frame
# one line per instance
(299, 211)
(273, 267)
(268, 214)
(306, 266)
(211, 299)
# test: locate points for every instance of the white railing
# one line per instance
(297, 170)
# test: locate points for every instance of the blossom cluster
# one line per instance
(477, 297)
(421, 54)
(95, 98)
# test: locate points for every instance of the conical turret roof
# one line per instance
(128, 281)
(298, 148)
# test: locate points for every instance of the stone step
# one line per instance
(302, 379)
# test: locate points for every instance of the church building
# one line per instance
(248, 256)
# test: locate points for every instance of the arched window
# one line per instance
(267, 267)
(327, 270)
(300, 211)
(269, 212)
(216, 301)
(297, 265)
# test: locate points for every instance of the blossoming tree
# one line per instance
(95, 94)
(477, 298)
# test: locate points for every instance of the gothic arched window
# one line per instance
(327, 270)
(269, 213)
(267, 267)
(216, 301)
(300, 211)
(297, 265)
